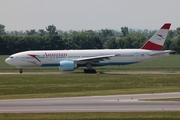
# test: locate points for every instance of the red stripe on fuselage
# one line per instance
(34, 56)
(152, 46)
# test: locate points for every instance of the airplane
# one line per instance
(69, 60)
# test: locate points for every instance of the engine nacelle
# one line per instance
(67, 65)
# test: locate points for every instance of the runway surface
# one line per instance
(135, 72)
(115, 103)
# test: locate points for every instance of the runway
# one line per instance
(115, 73)
(114, 103)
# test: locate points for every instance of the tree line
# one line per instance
(52, 39)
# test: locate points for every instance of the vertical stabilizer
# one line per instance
(156, 42)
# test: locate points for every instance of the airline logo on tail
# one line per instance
(156, 42)
(160, 36)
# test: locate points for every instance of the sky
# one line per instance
(89, 14)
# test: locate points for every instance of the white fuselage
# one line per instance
(53, 57)
(68, 60)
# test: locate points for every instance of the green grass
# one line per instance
(170, 63)
(3, 65)
(93, 116)
(66, 85)
(161, 99)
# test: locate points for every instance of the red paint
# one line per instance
(161, 36)
(166, 26)
(55, 54)
(34, 56)
(117, 54)
(151, 46)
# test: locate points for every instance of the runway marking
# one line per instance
(119, 100)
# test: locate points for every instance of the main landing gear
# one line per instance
(20, 70)
(89, 69)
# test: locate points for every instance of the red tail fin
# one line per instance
(156, 42)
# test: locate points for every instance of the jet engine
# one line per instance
(67, 65)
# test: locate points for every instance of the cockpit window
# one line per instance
(11, 57)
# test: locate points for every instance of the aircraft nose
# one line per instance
(8, 61)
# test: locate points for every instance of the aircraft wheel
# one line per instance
(89, 71)
(21, 71)
(93, 71)
(85, 70)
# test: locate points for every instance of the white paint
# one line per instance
(83, 57)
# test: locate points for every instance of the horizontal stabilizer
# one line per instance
(160, 52)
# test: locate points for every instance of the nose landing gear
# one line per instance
(20, 70)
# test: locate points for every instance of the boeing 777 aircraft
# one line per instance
(68, 60)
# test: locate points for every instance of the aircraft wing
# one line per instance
(96, 58)
(160, 52)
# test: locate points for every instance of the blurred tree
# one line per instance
(178, 30)
(176, 45)
(124, 30)
(2, 29)
(56, 42)
(105, 33)
(171, 34)
(111, 43)
(167, 44)
(42, 32)
(16, 41)
(51, 29)
(31, 32)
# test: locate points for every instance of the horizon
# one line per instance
(77, 15)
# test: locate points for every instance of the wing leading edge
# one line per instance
(96, 58)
